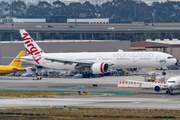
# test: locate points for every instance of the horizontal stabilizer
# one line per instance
(27, 59)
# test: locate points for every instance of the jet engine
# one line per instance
(98, 68)
(131, 69)
(157, 88)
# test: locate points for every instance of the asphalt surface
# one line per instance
(111, 96)
(91, 28)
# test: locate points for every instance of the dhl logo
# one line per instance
(31, 48)
(17, 61)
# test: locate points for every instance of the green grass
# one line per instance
(30, 94)
(96, 113)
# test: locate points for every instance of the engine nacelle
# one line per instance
(131, 69)
(98, 68)
(157, 88)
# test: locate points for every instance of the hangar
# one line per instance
(168, 46)
(12, 48)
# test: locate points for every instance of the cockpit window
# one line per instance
(169, 57)
(171, 81)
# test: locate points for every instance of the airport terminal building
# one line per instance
(167, 46)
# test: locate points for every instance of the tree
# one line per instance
(17, 8)
(61, 21)
(51, 20)
(59, 8)
(33, 11)
(88, 8)
(74, 9)
(44, 8)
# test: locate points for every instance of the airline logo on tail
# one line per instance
(31, 47)
(17, 61)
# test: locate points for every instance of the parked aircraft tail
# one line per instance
(17, 62)
(31, 47)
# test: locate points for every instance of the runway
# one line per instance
(111, 96)
(98, 102)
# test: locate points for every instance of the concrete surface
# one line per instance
(145, 98)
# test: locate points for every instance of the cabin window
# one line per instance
(169, 57)
(105, 59)
(122, 58)
(87, 59)
(144, 58)
(171, 81)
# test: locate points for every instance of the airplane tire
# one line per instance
(171, 92)
(163, 73)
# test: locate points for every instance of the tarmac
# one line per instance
(111, 96)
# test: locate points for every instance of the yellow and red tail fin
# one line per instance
(18, 62)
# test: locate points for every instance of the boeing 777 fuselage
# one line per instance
(97, 62)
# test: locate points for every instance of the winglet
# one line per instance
(18, 62)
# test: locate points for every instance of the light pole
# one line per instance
(153, 15)
(76, 20)
(114, 40)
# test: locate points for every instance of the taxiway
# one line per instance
(111, 97)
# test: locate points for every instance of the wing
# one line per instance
(69, 61)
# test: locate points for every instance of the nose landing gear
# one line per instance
(169, 91)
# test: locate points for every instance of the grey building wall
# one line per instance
(11, 49)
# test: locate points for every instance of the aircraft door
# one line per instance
(136, 61)
(71, 58)
(44, 62)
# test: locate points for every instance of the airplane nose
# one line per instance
(170, 87)
(174, 61)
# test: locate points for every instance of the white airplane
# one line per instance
(173, 83)
(96, 62)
